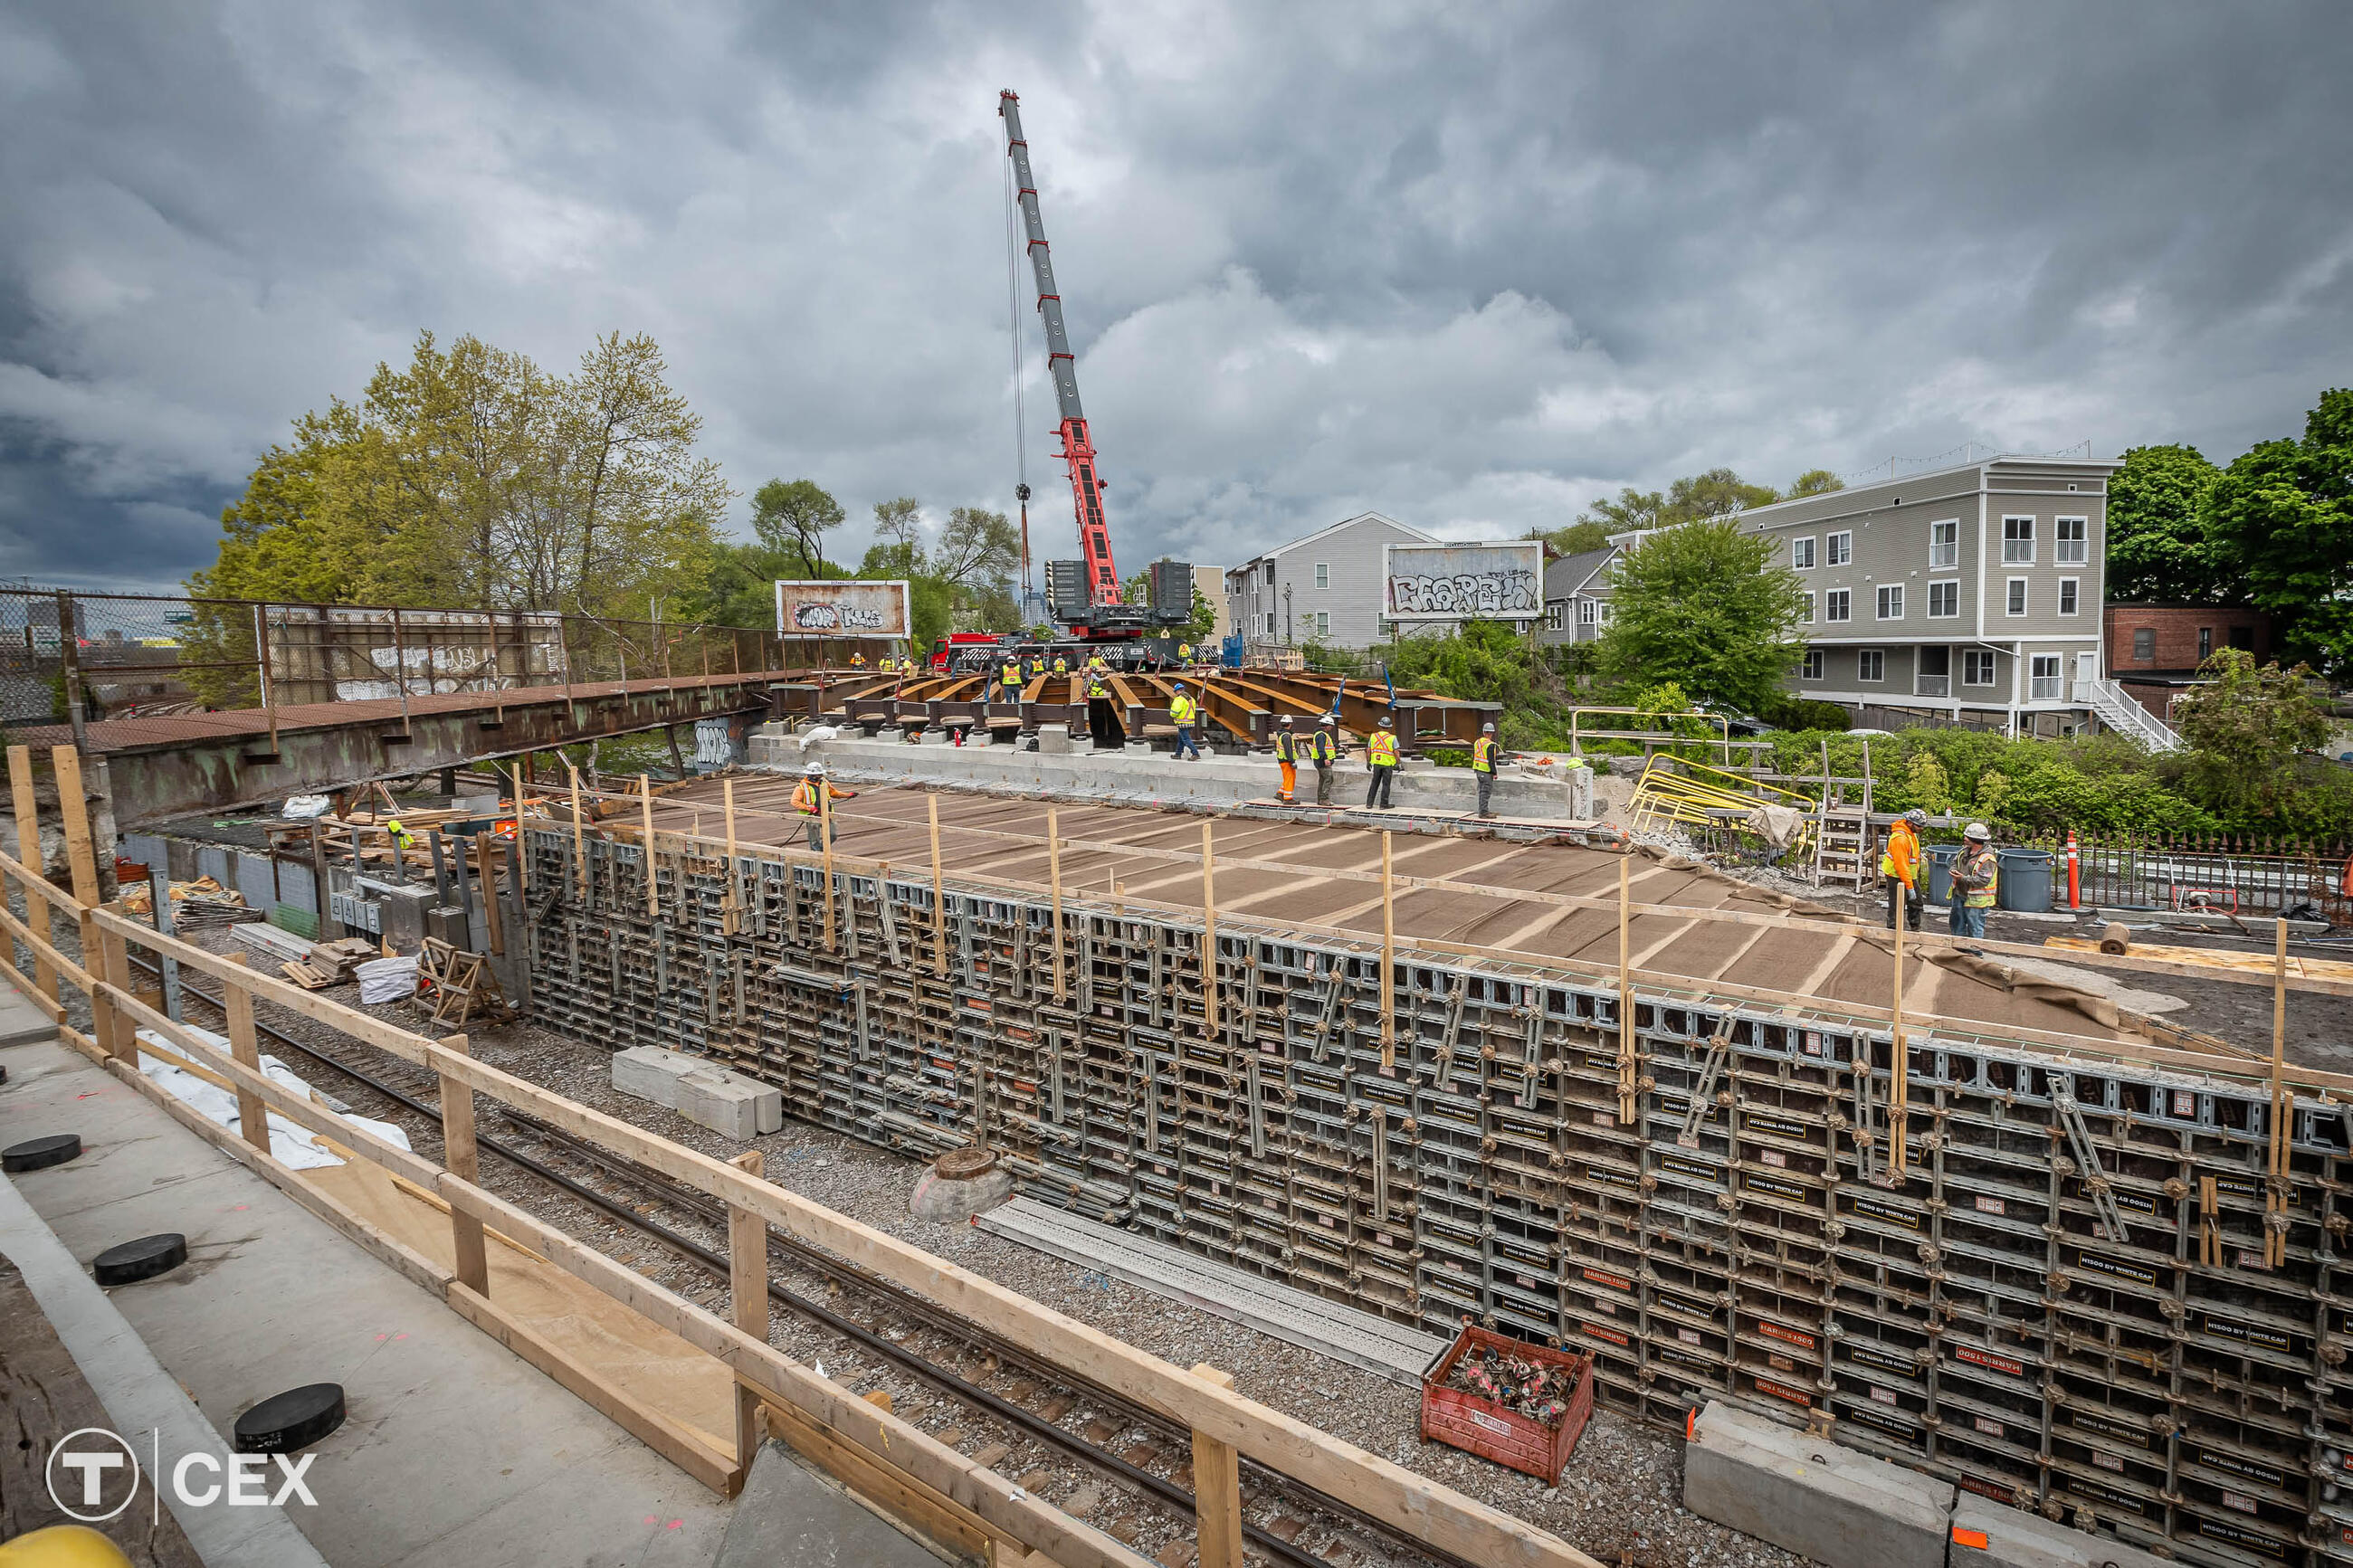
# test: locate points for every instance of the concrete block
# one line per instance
(1812, 1496)
(2015, 1539)
(649, 1072)
(1054, 739)
(700, 1091)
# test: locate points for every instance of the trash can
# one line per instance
(1940, 858)
(2025, 885)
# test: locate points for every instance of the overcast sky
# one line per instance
(1467, 265)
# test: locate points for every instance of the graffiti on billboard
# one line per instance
(1435, 580)
(840, 608)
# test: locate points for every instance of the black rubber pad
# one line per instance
(142, 1259)
(41, 1154)
(294, 1419)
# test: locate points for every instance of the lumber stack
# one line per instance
(312, 966)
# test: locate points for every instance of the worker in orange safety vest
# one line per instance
(813, 798)
(1899, 864)
(1286, 755)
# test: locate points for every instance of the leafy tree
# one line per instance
(1813, 482)
(1719, 493)
(2282, 516)
(2158, 547)
(2244, 726)
(1706, 606)
(793, 517)
(899, 522)
(1584, 535)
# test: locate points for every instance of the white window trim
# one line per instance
(2058, 677)
(1992, 668)
(2065, 584)
(1861, 654)
(1955, 613)
(1831, 554)
(1813, 554)
(1808, 618)
(1954, 563)
(2025, 596)
(2032, 543)
(2057, 559)
(1322, 574)
(1879, 601)
(1831, 595)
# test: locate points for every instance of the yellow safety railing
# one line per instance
(1677, 790)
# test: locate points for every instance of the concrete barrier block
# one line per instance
(1984, 1534)
(1811, 1495)
(649, 1072)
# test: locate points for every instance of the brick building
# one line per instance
(2153, 651)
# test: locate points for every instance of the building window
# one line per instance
(1323, 622)
(2144, 644)
(1586, 617)
(1944, 600)
(1322, 574)
(1841, 549)
(1812, 669)
(1269, 623)
(2045, 678)
(1270, 573)
(1556, 614)
(1871, 664)
(1891, 601)
(2205, 644)
(1977, 667)
(2071, 542)
(2016, 606)
(1945, 542)
(2070, 590)
(1801, 554)
(2017, 542)
(1934, 675)
(1838, 604)
(1806, 609)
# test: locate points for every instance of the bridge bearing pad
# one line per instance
(293, 1420)
(41, 1154)
(142, 1259)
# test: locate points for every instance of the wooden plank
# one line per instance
(1209, 934)
(28, 847)
(460, 1155)
(1216, 1490)
(747, 1299)
(252, 1115)
(679, 1444)
(939, 902)
(2262, 967)
(1389, 959)
(1054, 877)
(645, 804)
(64, 763)
(890, 1489)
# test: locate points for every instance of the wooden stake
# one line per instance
(237, 1002)
(732, 916)
(114, 1036)
(1217, 1490)
(824, 838)
(939, 899)
(1054, 874)
(1388, 960)
(646, 809)
(1899, 1073)
(747, 1299)
(1208, 936)
(1625, 997)
(37, 912)
(522, 862)
(579, 834)
(2274, 1190)
(486, 859)
(461, 1160)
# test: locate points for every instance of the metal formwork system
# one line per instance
(2085, 1292)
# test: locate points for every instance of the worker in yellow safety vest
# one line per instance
(1381, 756)
(1899, 863)
(813, 798)
(1975, 876)
(1061, 665)
(1181, 713)
(1484, 753)
(1323, 750)
(1286, 756)
(1037, 665)
(1009, 680)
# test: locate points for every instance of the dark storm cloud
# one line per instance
(1470, 265)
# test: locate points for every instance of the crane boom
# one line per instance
(1078, 452)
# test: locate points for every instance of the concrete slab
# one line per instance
(791, 1514)
(1811, 1496)
(700, 1090)
(2014, 1538)
(21, 1022)
(454, 1450)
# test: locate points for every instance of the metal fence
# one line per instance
(135, 655)
(2235, 873)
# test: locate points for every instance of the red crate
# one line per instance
(1483, 1427)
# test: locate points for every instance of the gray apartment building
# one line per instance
(1971, 592)
(1577, 595)
(1324, 588)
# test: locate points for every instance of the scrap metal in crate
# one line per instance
(2090, 1291)
(1494, 1430)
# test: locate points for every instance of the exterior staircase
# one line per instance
(2119, 712)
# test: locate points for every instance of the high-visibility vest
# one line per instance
(1037, 667)
(1012, 676)
(1381, 749)
(1283, 747)
(805, 798)
(1095, 689)
(1901, 858)
(1320, 749)
(1061, 667)
(1973, 865)
(1185, 650)
(1180, 710)
(1482, 754)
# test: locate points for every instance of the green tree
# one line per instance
(900, 521)
(1813, 482)
(2158, 547)
(1583, 536)
(792, 517)
(1705, 606)
(2245, 726)
(1719, 493)
(2282, 517)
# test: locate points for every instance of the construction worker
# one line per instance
(1976, 876)
(1181, 713)
(1096, 666)
(812, 797)
(401, 838)
(1037, 665)
(1323, 752)
(1899, 863)
(1061, 665)
(1286, 756)
(1484, 753)
(1381, 756)
(857, 660)
(1008, 681)
(1185, 653)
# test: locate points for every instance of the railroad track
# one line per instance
(1039, 1398)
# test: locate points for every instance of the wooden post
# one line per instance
(825, 839)
(646, 808)
(731, 918)
(462, 1161)
(1625, 998)
(487, 863)
(2274, 1190)
(1899, 1078)
(38, 915)
(261, 659)
(579, 835)
(1054, 875)
(1388, 962)
(522, 862)
(236, 1004)
(114, 1038)
(1217, 1490)
(939, 899)
(747, 1301)
(329, 928)
(1209, 937)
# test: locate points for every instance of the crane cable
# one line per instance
(1013, 324)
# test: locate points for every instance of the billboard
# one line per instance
(1455, 582)
(842, 607)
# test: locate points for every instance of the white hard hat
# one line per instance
(1286, 721)
(1978, 830)
(814, 769)
(1486, 729)
(1327, 719)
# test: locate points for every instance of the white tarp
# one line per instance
(297, 1148)
(386, 980)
